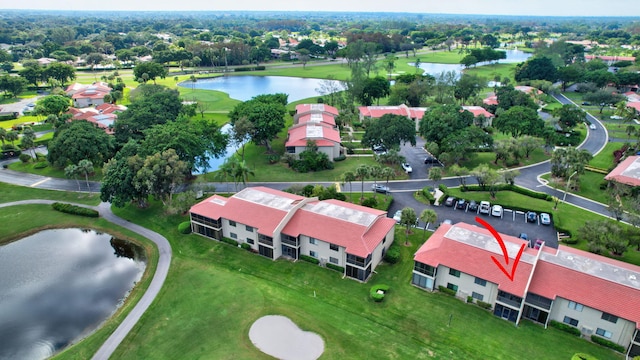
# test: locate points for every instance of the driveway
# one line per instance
(19, 105)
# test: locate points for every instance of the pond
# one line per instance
(214, 163)
(435, 69)
(245, 87)
(58, 286)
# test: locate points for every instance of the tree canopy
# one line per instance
(519, 120)
(266, 113)
(79, 140)
(390, 131)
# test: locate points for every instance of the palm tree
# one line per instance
(375, 172)
(362, 171)
(226, 170)
(407, 218)
(85, 167)
(348, 177)
(388, 173)
(630, 131)
(11, 136)
(435, 174)
(428, 216)
(3, 134)
(28, 139)
(241, 173)
(71, 171)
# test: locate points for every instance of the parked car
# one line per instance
(397, 216)
(430, 160)
(532, 216)
(485, 207)
(447, 221)
(496, 211)
(380, 188)
(473, 205)
(407, 168)
(592, 126)
(616, 117)
(461, 204)
(586, 103)
(379, 149)
(545, 219)
(450, 201)
(538, 244)
(523, 236)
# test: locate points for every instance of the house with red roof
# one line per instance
(103, 116)
(88, 95)
(597, 295)
(610, 59)
(314, 122)
(277, 225)
(627, 172)
(482, 116)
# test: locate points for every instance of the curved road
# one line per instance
(529, 178)
(162, 269)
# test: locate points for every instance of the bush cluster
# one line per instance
(607, 343)
(184, 227)
(340, 158)
(514, 188)
(483, 305)
(74, 210)
(40, 165)
(245, 246)
(249, 68)
(374, 292)
(369, 202)
(229, 241)
(446, 290)
(24, 158)
(310, 259)
(393, 254)
(564, 327)
(335, 267)
(426, 192)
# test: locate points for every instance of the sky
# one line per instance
(484, 7)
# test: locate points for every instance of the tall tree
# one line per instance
(266, 113)
(53, 105)
(427, 216)
(347, 178)
(27, 142)
(518, 121)
(79, 140)
(390, 131)
(362, 172)
(407, 218)
(71, 171)
(61, 72)
(153, 70)
(85, 167)
(161, 174)
(118, 184)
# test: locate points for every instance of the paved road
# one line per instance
(162, 269)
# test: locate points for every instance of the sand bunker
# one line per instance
(281, 338)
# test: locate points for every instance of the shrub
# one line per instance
(369, 202)
(335, 267)
(393, 254)
(446, 290)
(184, 227)
(310, 259)
(229, 241)
(514, 188)
(483, 305)
(25, 158)
(240, 69)
(604, 184)
(260, 67)
(564, 327)
(40, 165)
(426, 192)
(374, 292)
(607, 343)
(245, 246)
(469, 299)
(350, 148)
(74, 210)
(340, 158)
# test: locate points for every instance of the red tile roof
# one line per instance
(323, 135)
(442, 249)
(553, 280)
(357, 228)
(634, 104)
(490, 100)
(627, 172)
(301, 108)
(478, 111)
(317, 118)
(379, 111)
(528, 89)
(610, 58)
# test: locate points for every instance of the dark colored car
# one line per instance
(461, 204)
(532, 216)
(523, 236)
(473, 205)
(430, 160)
(380, 188)
(450, 201)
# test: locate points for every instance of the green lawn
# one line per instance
(14, 193)
(488, 158)
(214, 292)
(489, 72)
(51, 171)
(604, 159)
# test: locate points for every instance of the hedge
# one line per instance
(339, 158)
(335, 267)
(245, 246)
(40, 165)
(374, 292)
(310, 259)
(229, 241)
(74, 210)
(483, 305)
(509, 187)
(393, 254)
(184, 227)
(607, 343)
(446, 290)
(426, 192)
(564, 327)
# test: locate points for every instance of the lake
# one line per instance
(58, 286)
(435, 69)
(244, 87)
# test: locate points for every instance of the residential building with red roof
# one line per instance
(314, 122)
(304, 109)
(609, 59)
(627, 172)
(597, 295)
(482, 116)
(88, 95)
(278, 224)
(103, 116)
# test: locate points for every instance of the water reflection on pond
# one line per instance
(59, 286)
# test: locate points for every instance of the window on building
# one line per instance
(609, 317)
(604, 333)
(575, 306)
(232, 223)
(313, 241)
(333, 247)
(233, 235)
(452, 286)
(424, 268)
(313, 254)
(454, 272)
(250, 241)
(570, 321)
(481, 282)
(384, 239)
(249, 228)
(477, 296)
(333, 260)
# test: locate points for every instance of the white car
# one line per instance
(592, 126)
(485, 207)
(616, 117)
(397, 216)
(545, 219)
(407, 168)
(496, 211)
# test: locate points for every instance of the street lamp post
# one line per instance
(567, 187)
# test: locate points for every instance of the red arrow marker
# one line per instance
(496, 235)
